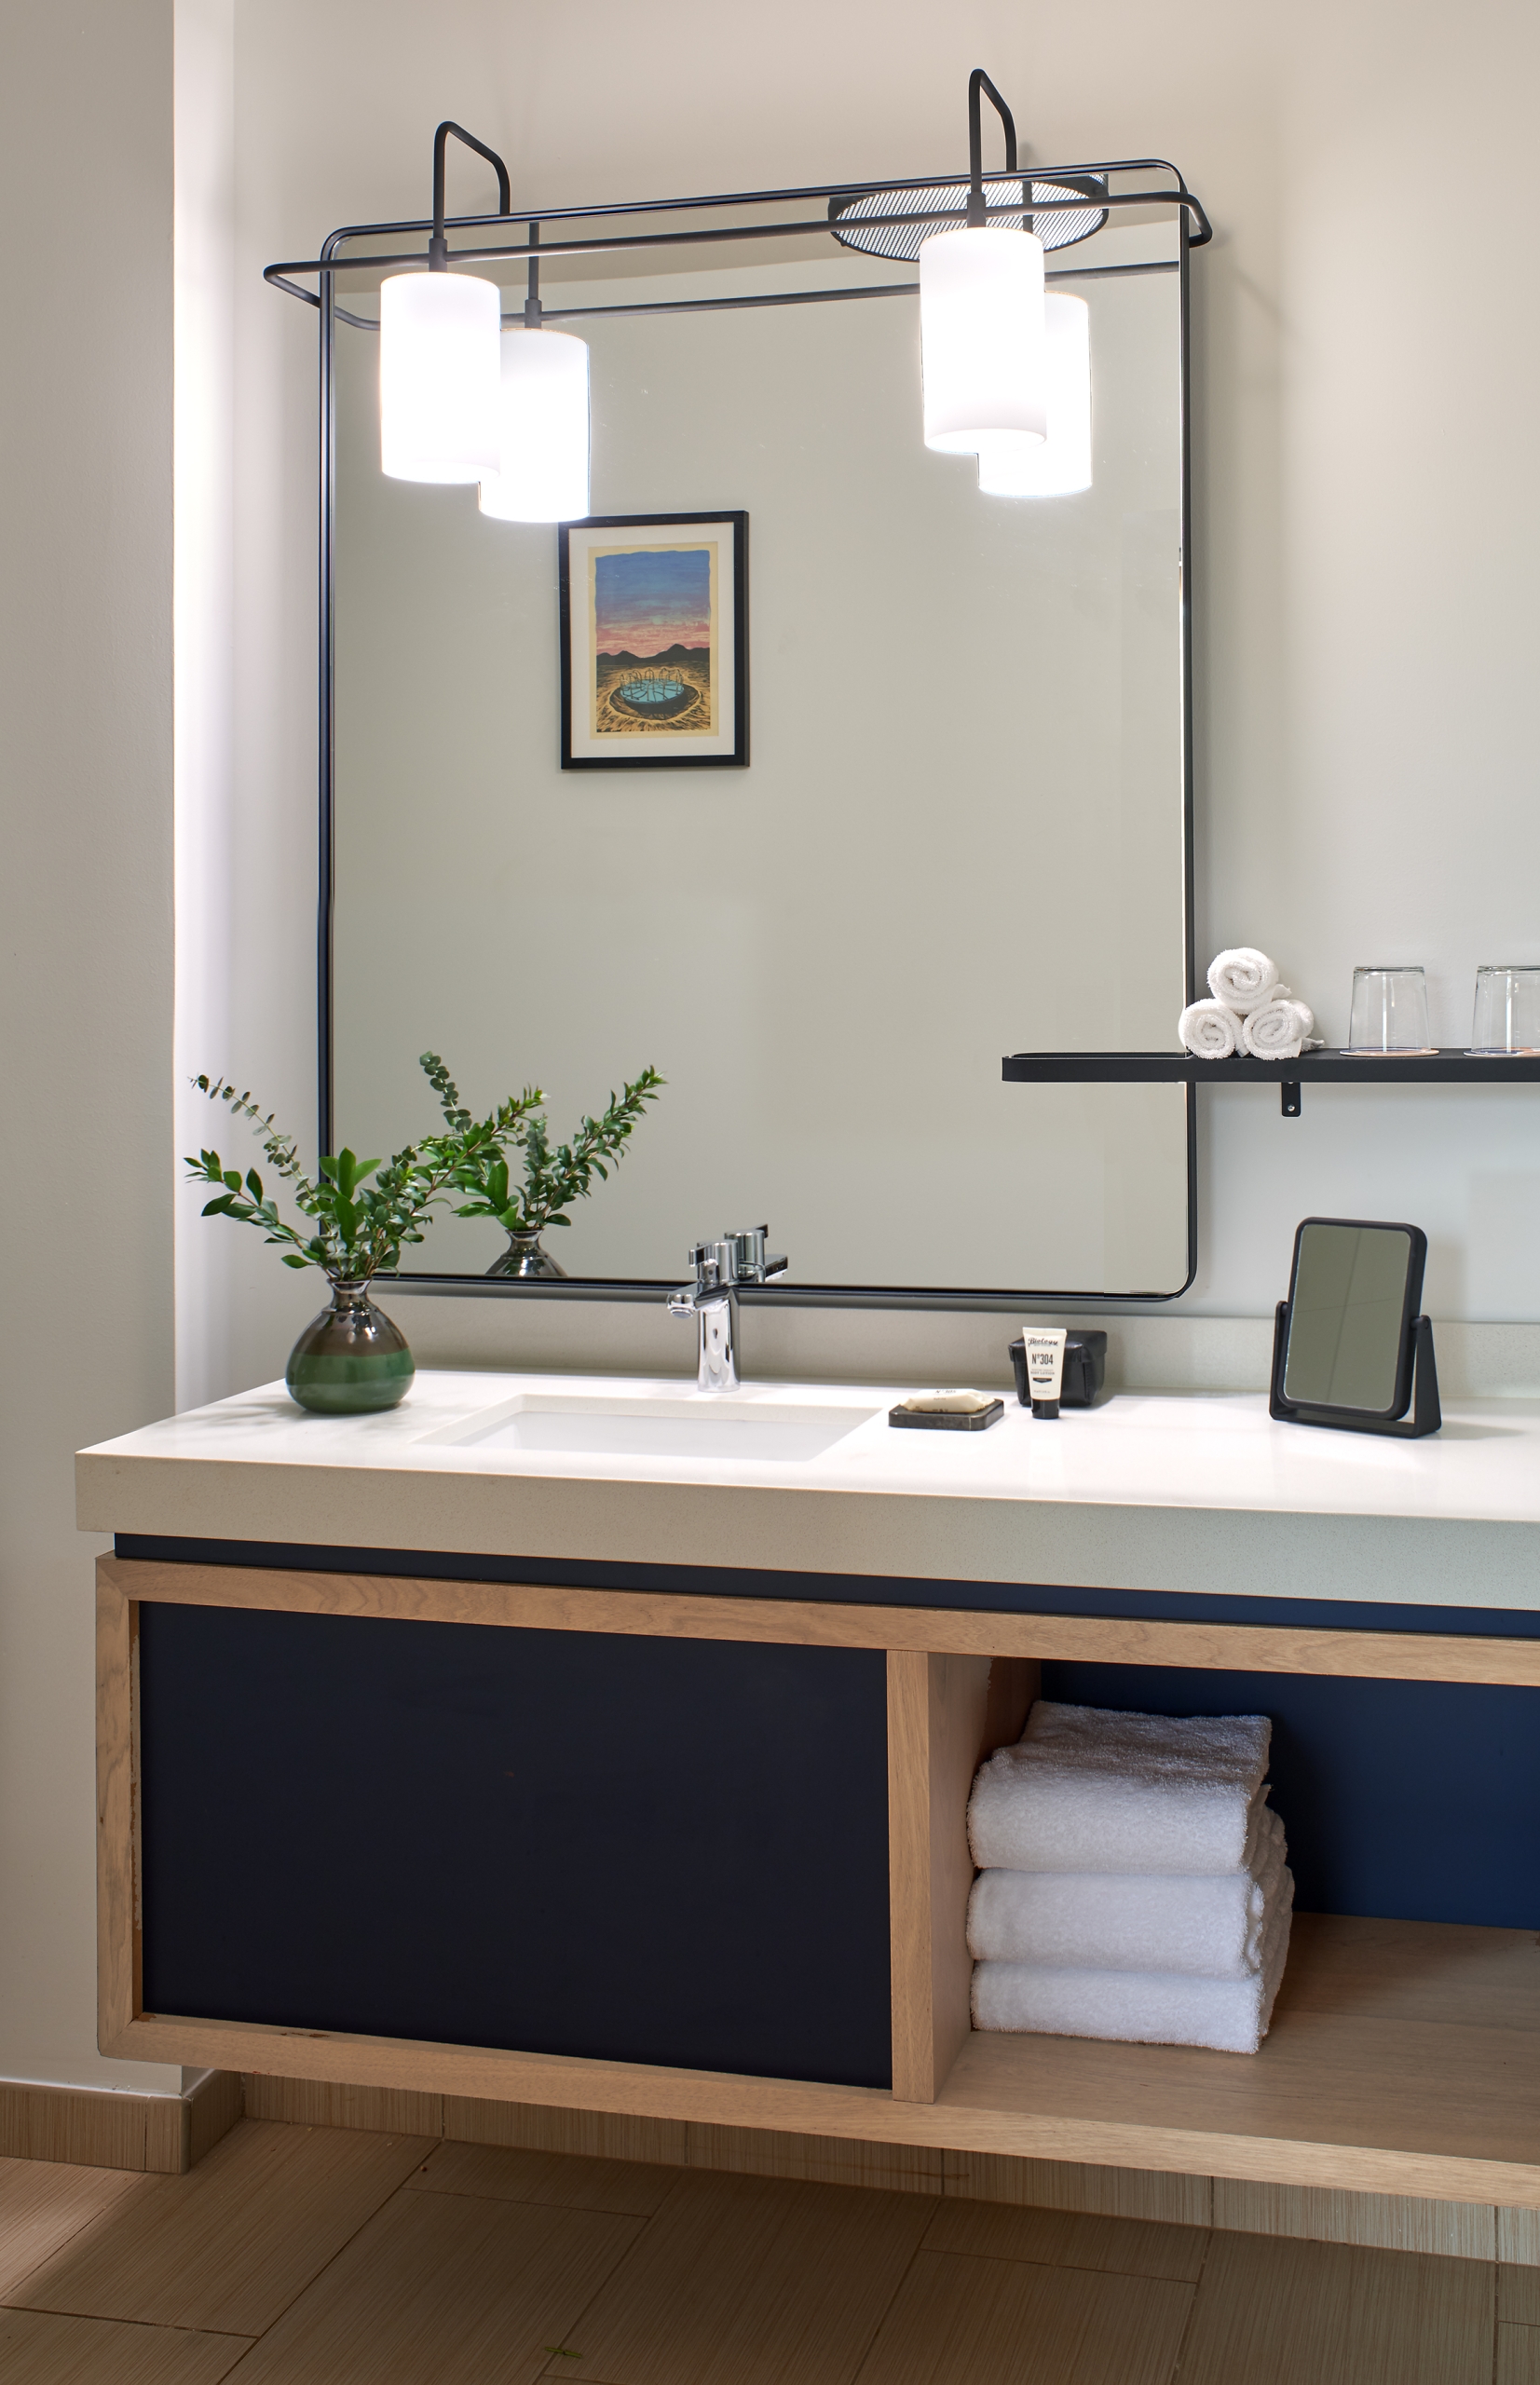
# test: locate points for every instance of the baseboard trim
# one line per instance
(112, 2128)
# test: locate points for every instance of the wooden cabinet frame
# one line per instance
(1404, 2058)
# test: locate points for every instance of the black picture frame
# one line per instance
(732, 741)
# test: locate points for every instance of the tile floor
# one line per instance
(326, 2257)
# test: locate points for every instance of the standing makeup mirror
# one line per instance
(964, 824)
(1350, 1347)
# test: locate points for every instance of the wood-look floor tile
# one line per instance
(443, 2289)
(1069, 2240)
(1518, 2356)
(42, 2348)
(961, 2321)
(1275, 2310)
(566, 2180)
(229, 2245)
(43, 2204)
(750, 2282)
(1519, 2295)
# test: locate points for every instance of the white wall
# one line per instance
(1366, 502)
(86, 944)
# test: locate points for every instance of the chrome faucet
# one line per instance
(720, 1268)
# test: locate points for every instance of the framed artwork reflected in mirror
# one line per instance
(654, 637)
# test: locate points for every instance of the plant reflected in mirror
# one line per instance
(554, 1177)
(359, 1226)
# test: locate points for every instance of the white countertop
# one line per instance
(1190, 1492)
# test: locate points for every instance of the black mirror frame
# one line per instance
(599, 228)
(1416, 1372)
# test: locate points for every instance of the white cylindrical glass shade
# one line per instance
(544, 474)
(982, 340)
(439, 376)
(1061, 463)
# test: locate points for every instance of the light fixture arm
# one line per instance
(978, 81)
(532, 307)
(438, 247)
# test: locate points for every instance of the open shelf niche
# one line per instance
(1403, 2058)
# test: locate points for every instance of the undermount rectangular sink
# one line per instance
(609, 1424)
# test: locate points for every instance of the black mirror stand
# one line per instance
(1426, 1417)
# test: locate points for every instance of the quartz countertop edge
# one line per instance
(1178, 1492)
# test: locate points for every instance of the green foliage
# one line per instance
(364, 1211)
(359, 1226)
(553, 1176)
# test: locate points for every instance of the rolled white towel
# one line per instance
(1148, 2007)
(1242, 978)
(1086, 1789)
(1209, 1029)
(1208, 1928)
(1277, 1029)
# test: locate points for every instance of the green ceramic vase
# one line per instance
(350, 1358)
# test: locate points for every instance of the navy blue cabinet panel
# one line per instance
(1412, 1801)
(642, 1851)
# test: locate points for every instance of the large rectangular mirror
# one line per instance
(963, 829)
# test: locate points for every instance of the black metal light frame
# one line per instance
(349, 248)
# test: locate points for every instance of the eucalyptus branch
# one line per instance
(506, 1123)
(360, 1226)
(554, 1177)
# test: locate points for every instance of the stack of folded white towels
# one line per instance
(1132, 1880)
(1250, 1011)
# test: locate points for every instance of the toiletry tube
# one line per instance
(1045, 1369)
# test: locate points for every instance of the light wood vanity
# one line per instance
(1404, 2057)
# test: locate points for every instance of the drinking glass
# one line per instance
(1389, 1011)
(1507, 1010)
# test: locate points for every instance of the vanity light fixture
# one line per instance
(440, 355)
(982, 325)
(544, 420)
(1059, 465)
(451, 375)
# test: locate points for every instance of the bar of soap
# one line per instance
(949, 1403)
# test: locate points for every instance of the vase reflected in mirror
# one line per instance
(524, 1256)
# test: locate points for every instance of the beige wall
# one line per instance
(1366, 501)
(86, 947)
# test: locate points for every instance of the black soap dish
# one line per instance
(949, 1422)
(1084, 1369)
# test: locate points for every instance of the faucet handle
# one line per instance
(752, 1264)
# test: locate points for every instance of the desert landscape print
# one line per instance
(652, 623)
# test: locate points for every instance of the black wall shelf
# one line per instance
(1311, 1067)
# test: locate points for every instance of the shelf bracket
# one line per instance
(1291, 1096)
